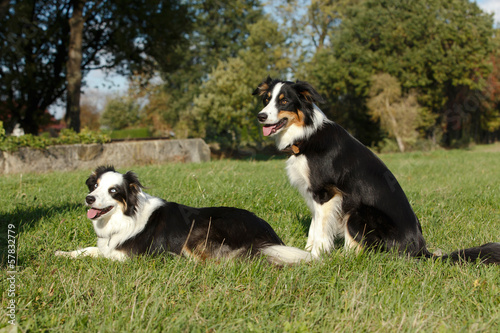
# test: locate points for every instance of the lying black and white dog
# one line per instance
(349, 190)
(129, 222)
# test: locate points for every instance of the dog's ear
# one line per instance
(132, 181)
(91, 181)
(263, 87)
(307, 93)
(134, 187)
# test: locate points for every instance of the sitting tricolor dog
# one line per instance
(349, 190)
(129, 222)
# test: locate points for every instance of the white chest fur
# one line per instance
(298, 173)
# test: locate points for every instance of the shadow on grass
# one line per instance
(304, 222)
(267, 153)
(24, 218)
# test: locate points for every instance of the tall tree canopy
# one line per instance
(440, 55)
(225, 108)
(437, 47)
(45, 43)
(219, 32)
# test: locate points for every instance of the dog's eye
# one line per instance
(266, 101)
(284, 102)
(112, 190)
(95, 185)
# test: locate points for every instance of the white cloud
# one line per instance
(491, 6)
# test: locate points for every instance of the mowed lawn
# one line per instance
(456, 195)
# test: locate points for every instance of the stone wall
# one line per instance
(89, 156)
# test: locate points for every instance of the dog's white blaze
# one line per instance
(270, 109)
(101, 194)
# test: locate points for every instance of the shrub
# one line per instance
(67, 136)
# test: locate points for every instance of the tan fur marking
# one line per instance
(307, 96)
(333, 191)
(124, 205)
(349, 242)
(197, 253)
(293, 118)
(188, 253)
(263, 88)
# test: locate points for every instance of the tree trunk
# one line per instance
(401, 144)
(73, 66)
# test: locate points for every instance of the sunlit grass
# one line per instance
(456, 195)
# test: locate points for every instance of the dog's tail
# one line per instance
(488, 254)
(282, 254)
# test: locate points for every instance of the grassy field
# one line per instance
(456, 195)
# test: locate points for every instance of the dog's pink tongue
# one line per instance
(92, 213)
(267, 130)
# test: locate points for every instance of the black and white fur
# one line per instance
(129, 222)
(349, 190)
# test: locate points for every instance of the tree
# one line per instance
(225, 110)
(398, 114)
(74, 63)
(219, 32)
(92, 104)
(48, 47)
(119, 113)
(437, 47)
(32, 56)
(489, 101)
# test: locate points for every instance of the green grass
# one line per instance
(456, 194)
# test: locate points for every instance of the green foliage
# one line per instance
(67, 136)
(220, 31)
(130, 133)
(119, 113)
(438, 48)
(225, 108)
(341, 293)
(122, 35)
(398, 114)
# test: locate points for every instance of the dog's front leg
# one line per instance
(327, 224)
(310, 237)
(93, 252)
(319, 239)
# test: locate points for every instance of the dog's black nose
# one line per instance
(262, 117)
(90, 199)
